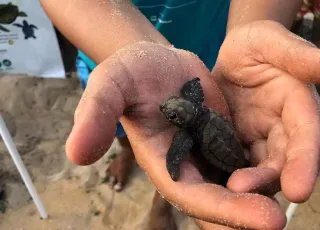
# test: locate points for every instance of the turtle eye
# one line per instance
(172, 116)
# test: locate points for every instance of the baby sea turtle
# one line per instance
(28, 29)
(200, 127)
(8, 14)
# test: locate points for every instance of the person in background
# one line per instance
(259, 79)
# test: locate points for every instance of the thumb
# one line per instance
(100, 108)
(286, 51)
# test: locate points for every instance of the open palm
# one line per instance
(263, 71)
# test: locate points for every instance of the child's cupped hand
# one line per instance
(130, 85)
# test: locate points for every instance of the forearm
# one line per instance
(100, 27)
(245, 11)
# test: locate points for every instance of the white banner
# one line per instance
(28, 42)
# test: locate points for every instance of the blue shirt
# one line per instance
(195, 25)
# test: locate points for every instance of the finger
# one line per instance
(265, 179)
(245, 180)
(302, 166)
(287, 51)
(208, 202)
(259, 152)
(100, 107)
(255, 180)
(209, 226)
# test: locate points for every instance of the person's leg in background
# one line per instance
(161, 216)
(120, 167)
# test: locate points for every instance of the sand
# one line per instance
(39, 115)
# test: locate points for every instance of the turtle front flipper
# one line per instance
(192, 91)
(181, 146)
(17, 25)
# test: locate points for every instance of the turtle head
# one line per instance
(179, 111)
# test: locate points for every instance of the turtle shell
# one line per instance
(9, 13)
(220, 144)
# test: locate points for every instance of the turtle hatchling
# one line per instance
(8, 14)
(27, 29)
(202, 127)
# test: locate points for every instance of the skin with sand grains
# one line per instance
(261, 70)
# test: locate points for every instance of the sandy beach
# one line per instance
(39, 115)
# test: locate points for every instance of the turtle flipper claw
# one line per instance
(174, 171)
